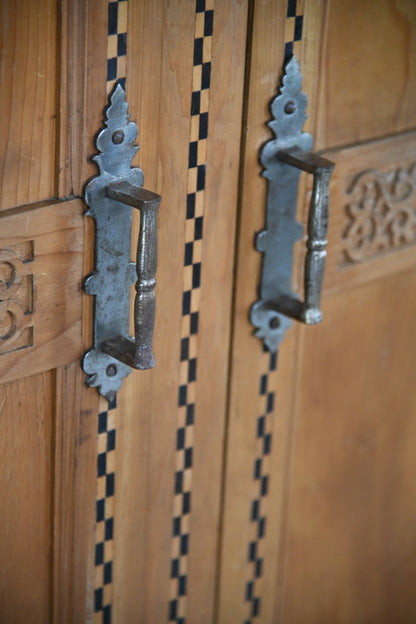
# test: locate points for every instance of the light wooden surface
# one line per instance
(249, 362)
(384, 245)
(352, 497)
(28, 101)
(367, 76)
(25, 498)
(344, 391)
(347, 542)
(82, 72)
(339, 541)
(55, 234)
(159, 71)
(48, 459)
(73, 491)
(47, 493)
(148, 401)
(224, 139)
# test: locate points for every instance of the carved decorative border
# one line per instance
(16, 298)
(380, 213)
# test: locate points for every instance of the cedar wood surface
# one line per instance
(341, 505)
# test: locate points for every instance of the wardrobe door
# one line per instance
(319, 502)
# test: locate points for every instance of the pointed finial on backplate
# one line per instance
(118, 139)
(288, 109)
(289, 106)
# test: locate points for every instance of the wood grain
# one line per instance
(295, 550)
(392, 161)
(220, 216)
(249, 363)
(55, 233)
(82, 79)
(28, 101)
(159, 76)
(73, 489)
(53, 62)
(367, 79)
(340, 508)
(157, 89)
(83, 67)
(350, 543)
(26, 417)
(342, 542)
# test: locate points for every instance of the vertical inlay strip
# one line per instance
(257, 547)
(104, 510)
(261, 474)
(117, 44)
(187, 391)
(106, 429)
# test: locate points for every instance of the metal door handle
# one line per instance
(111, 196)
(139, 353)
(283, 159)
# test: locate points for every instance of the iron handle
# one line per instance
(283, 158)
(139, 353)
(309, 311)
(111, 197)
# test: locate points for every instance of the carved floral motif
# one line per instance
(16, 298)
(381, 212)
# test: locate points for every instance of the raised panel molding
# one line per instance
(381, 213)
(16, 297)
(372, 211)
(40, 287)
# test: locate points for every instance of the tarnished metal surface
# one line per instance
(283, 158)
(138, 353)
(111, 196)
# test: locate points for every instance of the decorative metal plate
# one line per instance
(283, 159)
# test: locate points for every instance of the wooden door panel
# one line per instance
(26, 500)
(226, 484)
(351, 509)
(171, 421)
(41, 263)
(29, 101)
(48, 457)
(371, 230)
(338, 402)
(74, 494)
(260, 404)
(367, 77)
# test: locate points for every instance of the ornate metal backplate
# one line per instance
(115, 273)
(283, 159)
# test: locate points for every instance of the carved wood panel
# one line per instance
(381, 212)
(16, 297)
(40, 288)
(372, 212)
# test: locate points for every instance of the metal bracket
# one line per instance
(283, 159)
(111, 196)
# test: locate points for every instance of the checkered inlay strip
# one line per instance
(204, 15)
(117, 44)
(293, 27)
(258, 512)
(261, 470)
(104, 528)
